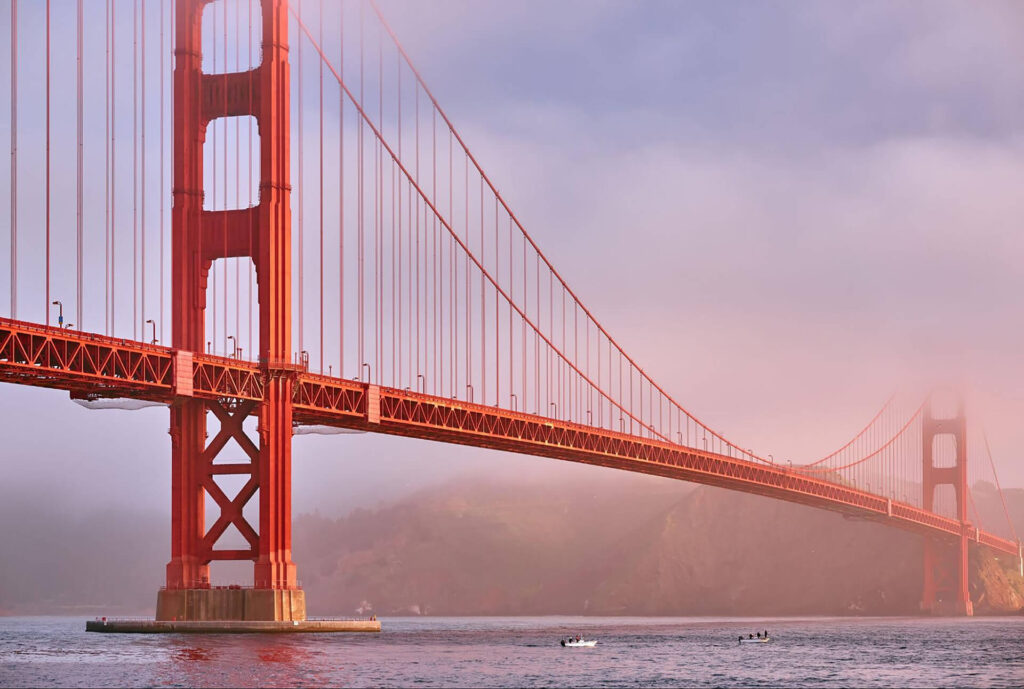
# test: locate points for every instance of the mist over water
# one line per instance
(484, 652)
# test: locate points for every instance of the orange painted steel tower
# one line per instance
(199, 237)
(945, 589)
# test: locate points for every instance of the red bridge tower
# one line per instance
(945, 564)
(200, 237)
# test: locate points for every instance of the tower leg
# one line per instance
(188, 436)
(274, 568)
(946, 579)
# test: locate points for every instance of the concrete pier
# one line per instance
(130, 626)
(230, 610)
(231, 604)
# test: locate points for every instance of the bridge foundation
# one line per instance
(230, 604)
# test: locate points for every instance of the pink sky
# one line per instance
(783, 215)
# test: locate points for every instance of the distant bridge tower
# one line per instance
(200, 237)
(945, 564)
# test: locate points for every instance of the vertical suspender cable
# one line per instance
(300, 192)
(224, 264)
(47, 305)
(14, 158)
(497, 315)
(483, 302)
(252, 348)
(437, 340)
(113, 166)
(321, 93)
(400, 337)
(79, 176)
(212, 128)
(106, 178)
(142, 188)
(468, 296)
(163, 192)
(341, 194)
(359, 204)
(452, 267)
(238, 180)
(379, 212)
(135, 170)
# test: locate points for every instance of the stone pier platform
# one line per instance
(144, 626)
(230, 610)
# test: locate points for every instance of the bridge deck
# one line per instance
(95, 365)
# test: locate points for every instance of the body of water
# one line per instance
(524, 651)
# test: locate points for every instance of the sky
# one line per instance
(784, 211)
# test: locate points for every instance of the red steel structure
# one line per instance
(945, 568)
(446, 320)
(199, 237)
(90, 365)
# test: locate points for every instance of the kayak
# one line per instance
(762, 640)
(579, 644)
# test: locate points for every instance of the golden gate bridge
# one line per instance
(273, 217)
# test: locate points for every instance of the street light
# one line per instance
(234, 345)
(555, 405)
(369, 371)
(420, 376)
(515, 401)
(469, 389)
(152, 323)
(60, 313)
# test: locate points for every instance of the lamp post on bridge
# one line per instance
(149, 321)
(60, 312)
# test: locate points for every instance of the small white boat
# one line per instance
(582, 643)
(756, 640)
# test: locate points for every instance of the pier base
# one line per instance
(115, 626)
(944, 608)
(231, 604)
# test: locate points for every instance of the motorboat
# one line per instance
(582, 643)
(756, 640)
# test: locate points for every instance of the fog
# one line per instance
(784, 213)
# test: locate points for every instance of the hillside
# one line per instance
(615, 544)
(636, 546)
